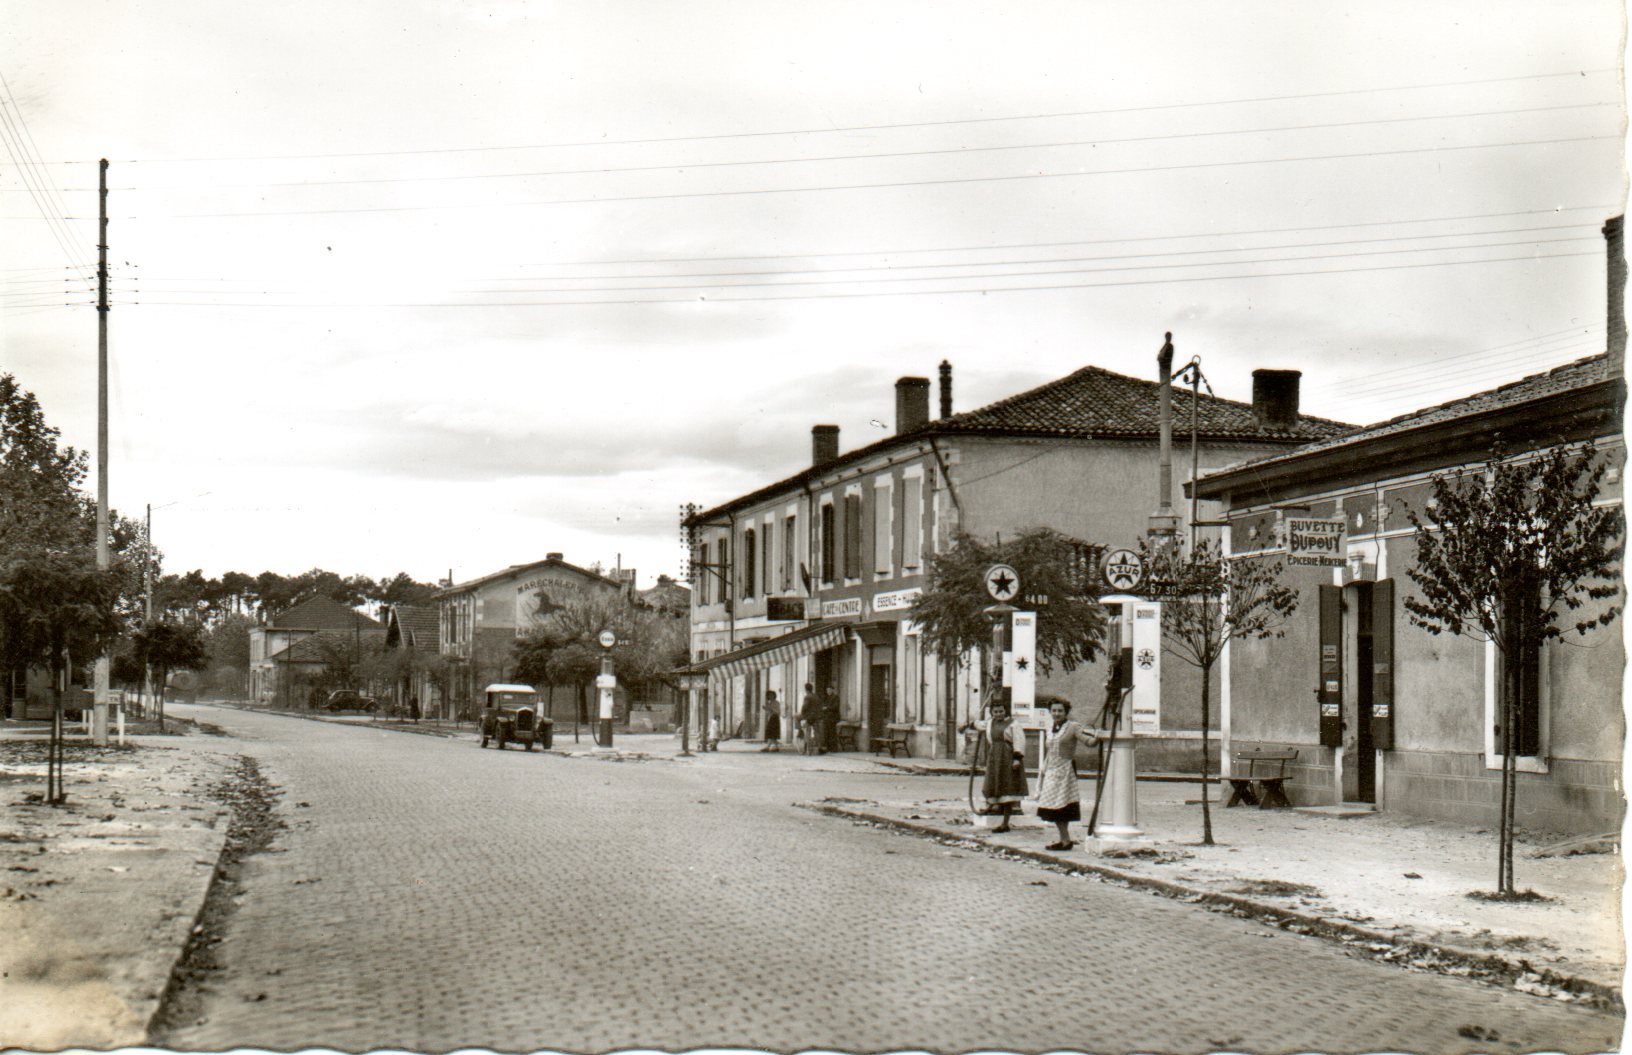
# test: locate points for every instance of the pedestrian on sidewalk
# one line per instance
(773, 722)
(1004, 785)
(1059, 798)
(810, 720)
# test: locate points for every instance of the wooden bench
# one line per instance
(897, 737)
(1262, 783)
(846, 734)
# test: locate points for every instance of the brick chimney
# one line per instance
(946, 388)
(1615, 247)
(554, 556)
(1275, 399)
(911, 403)
(824, 444)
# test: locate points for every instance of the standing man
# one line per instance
(830, 720)
(810, 719)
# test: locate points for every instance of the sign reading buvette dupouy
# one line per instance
(1314, 542)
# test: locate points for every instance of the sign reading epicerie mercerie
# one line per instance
(1315, 542)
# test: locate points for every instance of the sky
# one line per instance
(444, 287)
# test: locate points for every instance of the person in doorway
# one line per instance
(830, 721)
(773, 722)
(1005, 783)
(1059, 798)
(810, 719)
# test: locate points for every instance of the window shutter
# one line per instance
(1382, 664)
(912, 522)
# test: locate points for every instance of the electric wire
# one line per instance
(877, 156)
(888, 185)
(1454, 363)
(983, 291)
(848, 129)
(33, 179)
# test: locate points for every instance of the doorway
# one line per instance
(1358, 718)
(880, 707)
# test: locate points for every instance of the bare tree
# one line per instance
(1511, 554)
(1209, 600)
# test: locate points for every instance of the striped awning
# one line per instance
(784, 649)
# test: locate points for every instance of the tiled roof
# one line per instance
(318, 647)
(320, 613)
(1098, 402)
(1557, 381)
(1092, 403)
(420, 624)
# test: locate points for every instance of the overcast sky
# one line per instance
(408, 286)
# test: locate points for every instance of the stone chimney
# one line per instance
(824, 444)
(911, 403)
(1615, 247)
(946, 388)
(1275, 399)
(554, 556)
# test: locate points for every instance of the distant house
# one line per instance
(411, 649)
(316, 626)
(812, 578)
(478, 621)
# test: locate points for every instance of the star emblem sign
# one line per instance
(1022, 663)
(1004, 584)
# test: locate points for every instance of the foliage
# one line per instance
(951, 610)
(1514, 554)
(563, 649)
(166, 647)
(1209, 600)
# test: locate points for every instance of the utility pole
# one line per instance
(1164, 523)
(99, 723)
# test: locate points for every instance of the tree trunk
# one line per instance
(1206, 753)
(1504, 838)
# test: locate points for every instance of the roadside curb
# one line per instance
(1484, 966)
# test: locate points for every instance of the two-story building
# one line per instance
(480, 620)
(811, 579)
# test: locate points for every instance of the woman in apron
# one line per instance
(1005, 783)
(1059, 799)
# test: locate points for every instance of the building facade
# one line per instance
(479, 620)
(287, 647)
(812, 579)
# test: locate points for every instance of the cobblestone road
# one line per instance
(431, 896)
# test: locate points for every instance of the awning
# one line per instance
(764, 654)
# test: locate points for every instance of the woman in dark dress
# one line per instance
(1005, 784)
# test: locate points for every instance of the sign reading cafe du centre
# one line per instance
(1315, 542)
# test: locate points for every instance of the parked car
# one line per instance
(349, 700)
(510, 715)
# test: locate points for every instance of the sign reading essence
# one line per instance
(1314, 542)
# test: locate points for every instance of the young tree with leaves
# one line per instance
(1209, 600)
(952, 608)
(1517, 553)
(166, 647)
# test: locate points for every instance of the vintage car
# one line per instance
(510, 716)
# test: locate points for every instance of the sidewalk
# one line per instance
(102, 894)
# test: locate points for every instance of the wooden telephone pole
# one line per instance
(99, 725)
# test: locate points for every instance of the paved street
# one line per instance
(427, 895)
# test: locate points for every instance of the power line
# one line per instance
(1442, 370)
(18, 142)
(878, 156)
(844, 129)
(895, 185)
(1529, 258)
(1572, 333)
